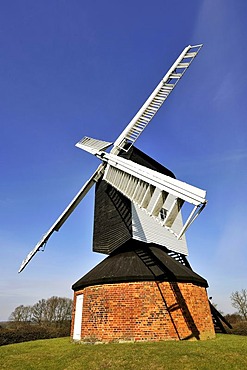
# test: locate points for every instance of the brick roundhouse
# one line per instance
(141, 293)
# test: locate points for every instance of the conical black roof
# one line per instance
(137, 261)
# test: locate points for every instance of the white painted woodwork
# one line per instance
(173, 212)
(150, 190)
(149, 230)
(78, 317)
(91, 145)
(121, 171)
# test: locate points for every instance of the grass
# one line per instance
(224, 352)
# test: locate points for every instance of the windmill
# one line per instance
(138, 223)
(155, 196)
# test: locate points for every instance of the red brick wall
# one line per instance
(145, 311)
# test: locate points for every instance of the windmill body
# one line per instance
(128, 220)
(145, 289)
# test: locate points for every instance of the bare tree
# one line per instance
(21, 314)
(52, 310)
(58, 309)
(27, 313)
(38, 311)
(16, 315)
(239, 301)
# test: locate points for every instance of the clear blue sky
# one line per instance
(75, 68)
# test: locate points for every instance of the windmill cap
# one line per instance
(135, 262)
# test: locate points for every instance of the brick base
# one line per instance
(144, 311)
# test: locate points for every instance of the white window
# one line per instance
(163, 213)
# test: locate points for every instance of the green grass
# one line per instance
(224, 352)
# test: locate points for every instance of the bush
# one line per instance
(27, 333)
(233, 318)
(239, 328)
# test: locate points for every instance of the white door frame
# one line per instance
(78, 317)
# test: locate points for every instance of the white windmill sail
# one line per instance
(156, 99)
(128, 136)
(91, 145)
(150, 189)
(63, 217)
(126, 174)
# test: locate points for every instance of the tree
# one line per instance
(38, 311)
(58, 310)
(55, 310)
(239, 301)
(21, 314)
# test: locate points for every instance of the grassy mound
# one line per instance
(224, 352)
